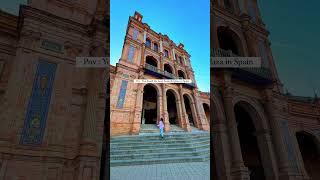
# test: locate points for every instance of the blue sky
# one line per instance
(185, 21)
(294, 33)
(11, 6)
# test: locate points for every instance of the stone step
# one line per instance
(154, 145)
(159, 149)
(160, 155)
(114, 163)
(156, 136)
(160, 140)
(151, 128)
(150, 148)
(158, 131)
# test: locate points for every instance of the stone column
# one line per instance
(173, 54)
(238, 170)
(179, 111)
(143, 49)
(161, 48)
(194, 113)
(137, 110)
(161, 63)
(89, 123)
(214, 38)
(200, 112)
(144, 36)
(245, 7)
(280, 148)
(165, 110)
(267, 154)
(159, 105)
(219, 134)
(250, 39)
(184, 60)
(184, 117)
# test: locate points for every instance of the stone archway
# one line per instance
(257, 151)
(172, 107)
(181, 74)
(167, 67)
(206, 109)
(150, 105)
(309, 148)
(229, 40)
(190, 110)
(247, 133)
(150, 60)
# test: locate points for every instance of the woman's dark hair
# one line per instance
(161, 119)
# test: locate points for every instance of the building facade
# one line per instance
(51, 112)
(150, 55)
(259, 131)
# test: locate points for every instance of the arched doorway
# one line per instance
(249, 142)
(151, 61)
(310, 153)
(228, 40)
(149, 105)
(189, 110)
(206, 109)
(172, 107)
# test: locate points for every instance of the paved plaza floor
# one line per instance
(173, 171)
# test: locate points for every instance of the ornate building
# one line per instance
(150, 55)
(258, 131)
(51, 112)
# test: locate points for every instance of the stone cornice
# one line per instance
(48, 18)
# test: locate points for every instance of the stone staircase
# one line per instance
(151, 149)
(152, 128)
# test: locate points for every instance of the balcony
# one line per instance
(260, 75)
(152, 70)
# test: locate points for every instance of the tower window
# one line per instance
(135, 34)
(148, 42)
(166, 53)
(131, 53)
(155, 47)
(180, 59)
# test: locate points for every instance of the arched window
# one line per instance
(155, 47)
(180, 60)
(151, 61)
(135, 34)
(131, 53)
(181, 74)
(148, 42)
(167, 68)
(166, 53)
